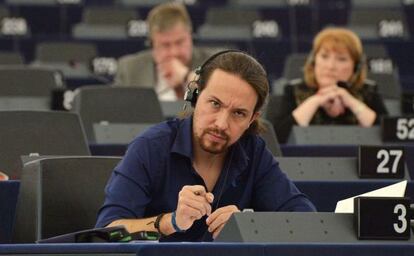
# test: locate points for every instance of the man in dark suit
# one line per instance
(167, 66)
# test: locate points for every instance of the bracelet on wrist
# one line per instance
(157, 224)
(174, 224)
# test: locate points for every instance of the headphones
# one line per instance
(192, 91)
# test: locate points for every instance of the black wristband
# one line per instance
(157, 224)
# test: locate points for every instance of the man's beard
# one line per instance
(212, 146)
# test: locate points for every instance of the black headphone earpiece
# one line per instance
(192, 91)
(359, 65)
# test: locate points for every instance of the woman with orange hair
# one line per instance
(334, 89)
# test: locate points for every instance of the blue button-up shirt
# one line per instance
(158, 164)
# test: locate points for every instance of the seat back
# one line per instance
(11, 58)
(67, 52)
(239, 16)
(378, 59)
(26, 81)
(95, 15)
(270, 138)
(293, 67)
(219, 26)
(388, 84)
(60, 195)
(97, 104)
(375, 23)
(38, 132)
(376, 4)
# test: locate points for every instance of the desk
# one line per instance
(340, 151)
(8, 200)
(377, 248)
(323, 194)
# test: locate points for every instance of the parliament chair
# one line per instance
(373, 4)
(104, 23)
(388, 84)
(378, 59)
(272, 110)
(171, 109)
(219, 26)
(141, 3)
(389, 87)
(40, 133)
(60, 195)
(11, 58)
(27, 88)
(293, 66)
(116, 109)
(379, 23)
(375, 50)
(73, 59)
(269, 136)
(258, 3)
(4, 12)
(31, 3)
(292, 69)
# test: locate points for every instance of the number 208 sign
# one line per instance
(382, 218)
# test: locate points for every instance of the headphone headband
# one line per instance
(191, 93)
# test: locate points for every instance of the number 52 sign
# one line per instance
(398, 129)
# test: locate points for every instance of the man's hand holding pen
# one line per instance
(194, 202)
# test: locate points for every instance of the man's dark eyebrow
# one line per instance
(221, 103)
(216, 99)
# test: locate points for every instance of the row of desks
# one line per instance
(322, 193)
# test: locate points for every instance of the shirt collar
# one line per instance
(183, 145)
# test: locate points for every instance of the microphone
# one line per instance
(344, 85)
